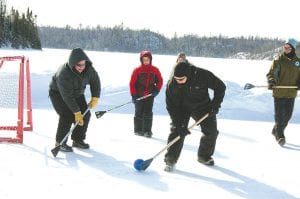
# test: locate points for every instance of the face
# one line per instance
(180, 59)
(146, 60)
(287, 48)
(80, 66)
(180, 80)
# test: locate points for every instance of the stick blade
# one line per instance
(100, 113)
(248, 86)
(55, 150)
(146, 164)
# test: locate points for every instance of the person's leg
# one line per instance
(148, 117)
(79, 133)
(283, 113)
(208, 140)
(65, 120)
(173, 152)
(138, 118)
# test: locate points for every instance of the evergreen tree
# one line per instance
(18, 30)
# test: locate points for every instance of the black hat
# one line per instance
(182, 69)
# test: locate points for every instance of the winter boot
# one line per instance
(148, 134)
(80, 144)
(279, 137)
(170, 164)
(64, 147)
(148, 126)
(169, 168)
(206, 161)
(138, 126)
(281, 141)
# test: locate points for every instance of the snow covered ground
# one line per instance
(249, 163)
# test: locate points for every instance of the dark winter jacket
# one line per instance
(144, 79)
(192, 98)
(285, 72)
(71, 84)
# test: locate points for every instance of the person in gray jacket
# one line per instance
(66, 91)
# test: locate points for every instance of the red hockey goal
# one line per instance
(15, 98)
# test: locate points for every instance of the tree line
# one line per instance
(18, 30)
(121, 39)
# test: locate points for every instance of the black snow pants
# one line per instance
(66, 117)
(143, 115)
(207, 142)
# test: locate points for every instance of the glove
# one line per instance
(93, 103)
(134, 99)
(79, 118)
(181, 130)
(213, 112)
(271, 83)
(155, 92)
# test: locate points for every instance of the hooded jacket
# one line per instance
(285, 72)
(192, 98)
(145, 78)
(71, 84)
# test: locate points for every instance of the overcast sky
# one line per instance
(263, 18)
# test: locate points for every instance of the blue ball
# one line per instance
(138, 164)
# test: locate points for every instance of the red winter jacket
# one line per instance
(144, 79)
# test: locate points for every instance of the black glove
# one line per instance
(134, 99)
(271, 83)
(181, 130)
(155, 92)
(213, 111)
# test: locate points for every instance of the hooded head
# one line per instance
(145, 53)
(182, 69)
(77, 55)
(181, 57)
(292, 42)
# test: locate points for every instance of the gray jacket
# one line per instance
(71, 84)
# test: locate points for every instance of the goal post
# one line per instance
(15, 98)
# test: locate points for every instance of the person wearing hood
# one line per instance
(187, 97)
(284, 71)
(145, 79)
(181, 57)
(66, 92)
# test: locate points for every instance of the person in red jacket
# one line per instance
(145, 79)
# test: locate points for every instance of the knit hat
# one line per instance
(292, 42)
(182, 69)
(181, 55)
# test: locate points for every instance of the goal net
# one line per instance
(15, 98)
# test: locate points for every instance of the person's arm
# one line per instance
(178, 114)
(132, 82)
(218, 86)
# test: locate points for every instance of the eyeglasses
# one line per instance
(80, 65)
(287, 47)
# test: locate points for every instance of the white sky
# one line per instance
(202, 17)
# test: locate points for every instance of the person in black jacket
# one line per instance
(187, 96)
(66, 92)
